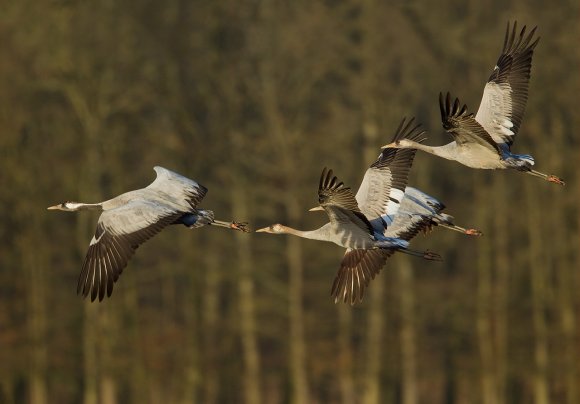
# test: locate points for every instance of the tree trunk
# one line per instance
(296, 309)
(370, 129)
(376, 310)
(90, 369)
(346, 362)
(90, 317)
(484, 302)
(274, 125)
(374, 343)
(138, 376)
(210, 320)
(501, 232)
(565, 267)
(191, 362)
(34, 265)
(407, 335)
(107, 326)
(246, 293)
(248, 320)
(538, 288)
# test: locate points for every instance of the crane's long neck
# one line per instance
(444, 151)
(318, 234)
(74, 206)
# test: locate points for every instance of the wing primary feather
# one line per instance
(505, 38)
(356, 286)
(400, 127)
(103, 279)
(110, 272)
(109, 265)
(82, 276)
(93, 288)
(87, 280)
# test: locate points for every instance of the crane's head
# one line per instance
(273, 229)
(400, 144)
(67, 206)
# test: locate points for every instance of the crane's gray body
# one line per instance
(130, 219)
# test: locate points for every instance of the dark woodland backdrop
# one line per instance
(252, 99)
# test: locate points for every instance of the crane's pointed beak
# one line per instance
(390, 146)
(55, 207)
(317, 208)
(262, 230)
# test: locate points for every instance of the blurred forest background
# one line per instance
(252, 99)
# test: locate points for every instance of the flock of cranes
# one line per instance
(377, 221)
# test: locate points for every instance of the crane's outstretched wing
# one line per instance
(419, 199)
(463, 126)
(119, 233)
(340, 204)
(415, 214)
(506, 93)
(383, 185)
(357, 269)
(179, 189)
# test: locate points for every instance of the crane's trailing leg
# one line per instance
(241, 226)
(427, 255)
(547, 177)
(469, 232)
(556, 180)
(432, 256)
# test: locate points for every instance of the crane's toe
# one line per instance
(241, 226)
(473, 232)
(432, 256)
(556, 180)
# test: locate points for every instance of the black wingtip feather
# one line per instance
(328, 181)
(514, 43)
(449, 111)
(406, 130)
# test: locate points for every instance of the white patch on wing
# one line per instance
(391, 207)
(96, 240)
(506, 131)
(396, 194)
(529, 159)
(506, 123)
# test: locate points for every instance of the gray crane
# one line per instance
(484, 141)
(421, 212)
(132, 218)
(358, 222)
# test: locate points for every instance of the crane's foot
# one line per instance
(241, 226)
(432, 256)
(427, 229)
(555, 180)
(473, 232)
